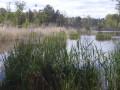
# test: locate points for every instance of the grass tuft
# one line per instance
(103, 37)
(74, 35)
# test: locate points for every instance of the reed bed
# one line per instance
(26, 33)
(103, 37)
(49, 66)
(74, 35)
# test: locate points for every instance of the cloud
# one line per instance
(94, 8)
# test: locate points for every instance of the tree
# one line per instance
(60, 20)
(20, 5)
(1, 18)
(78, 22)
(112, 20)
(25, 25)
(48, 10)
(3, 11)
(2, 14)
(100, 25)
(43, 18)
(118, 8)
(30, 16)
(10, 18)
(20, 18)
(87, 26)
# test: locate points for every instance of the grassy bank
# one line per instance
(48, 66)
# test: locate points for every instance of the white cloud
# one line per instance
(94, 8)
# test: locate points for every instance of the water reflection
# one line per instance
(104, 45)
(2, 74)
(108, 31)
(5, 46)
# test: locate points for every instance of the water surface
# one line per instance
(104, 45)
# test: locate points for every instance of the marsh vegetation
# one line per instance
(48, 65)
(101, 36)
(47, 50)
(74, 35)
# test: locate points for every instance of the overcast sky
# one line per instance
(83, 8)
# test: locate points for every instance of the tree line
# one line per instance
(49, 16)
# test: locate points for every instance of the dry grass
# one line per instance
(8, 36)
(25, 33)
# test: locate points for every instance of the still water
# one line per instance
(104, 45)
(4, 47)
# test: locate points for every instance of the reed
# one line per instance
(48, 65)
(103, 37)
(74, 35)
(7, 34)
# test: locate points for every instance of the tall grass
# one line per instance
(49, 66)
(115, 68)
(7, 34)
(74, 35)
(103, 37)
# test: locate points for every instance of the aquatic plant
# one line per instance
(49, 66)
(103, 37)
(74, 35)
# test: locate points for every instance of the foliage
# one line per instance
(30, 16)
(1, 18)
(49, 16)
(100, 26)
(3, 11)
(112, 20)
(26, 23)
(103, 37)
(43, 18)
(2, 15)
(116, 59)
(10, 18)
(87, 26)
(49, 66)
(20, 5)
(74, 35)
(46, 16)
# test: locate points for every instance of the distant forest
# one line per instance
(49, 16)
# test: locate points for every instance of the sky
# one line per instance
(70, 8)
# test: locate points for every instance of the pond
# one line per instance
(4, 47)
(104, 45)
